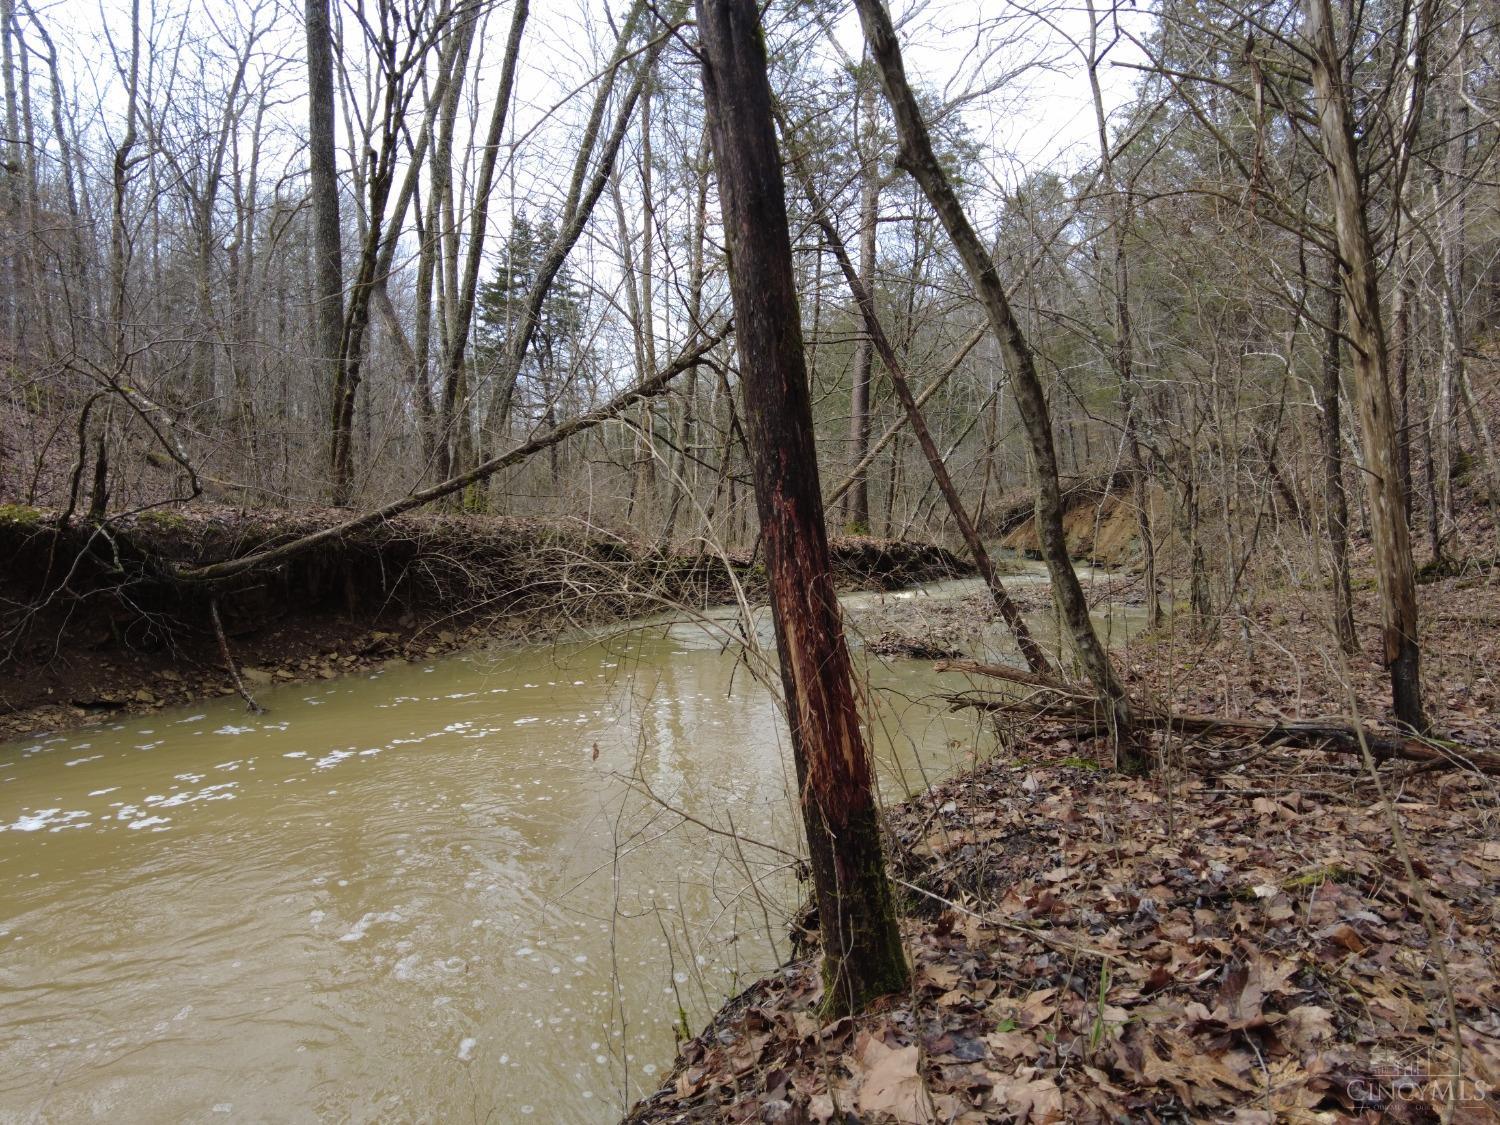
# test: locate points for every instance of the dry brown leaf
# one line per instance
(1034, 1101)
(891, 1084)
(1011, 1044)
(939, 976)
(1036, 1008)
(1308, 1023)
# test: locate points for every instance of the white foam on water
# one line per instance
(466, 1047)
(359, 928)
(45, 818)
(332, 758)
(221, 792)
(406, 969)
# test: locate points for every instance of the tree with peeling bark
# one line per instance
(918, 158)
(1371, 384)
(863, 956)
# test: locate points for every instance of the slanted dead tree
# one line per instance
(1035, 658)
(862, 953)
(273, 556)
(918, 158)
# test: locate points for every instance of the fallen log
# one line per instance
(647, 388)
(1332, 735)
(1014, 675)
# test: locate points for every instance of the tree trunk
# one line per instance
(1124, 353)
(918, 158)
(1334, 500)
(1390, 532)
(463, 293)
(1405, 298)
(684, 422)
(857, 499)
(862, 950)
(328, 253)
(10, 287)
(1449, 198)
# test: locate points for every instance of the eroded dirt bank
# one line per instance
(93, 623)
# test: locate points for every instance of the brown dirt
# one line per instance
(1100, 526)
(93, 627)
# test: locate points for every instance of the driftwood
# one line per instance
(1054, 701)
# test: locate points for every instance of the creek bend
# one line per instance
(438, 892)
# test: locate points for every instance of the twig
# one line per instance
(1036, 932)
(234, 672)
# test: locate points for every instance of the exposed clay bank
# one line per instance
(94, 623)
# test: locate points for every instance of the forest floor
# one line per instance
(1251, 934)
(92, 645)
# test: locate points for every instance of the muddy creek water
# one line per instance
(453, 891)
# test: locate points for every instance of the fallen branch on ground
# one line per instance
(1075, 704)
(1014, 675)
(1331, 735)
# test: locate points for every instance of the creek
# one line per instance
(459, 890)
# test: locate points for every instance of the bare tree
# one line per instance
(862, 950)
(328, 245)
(1371, 378)
(918, 158)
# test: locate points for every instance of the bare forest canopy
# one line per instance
(470, 253)
(649, 294)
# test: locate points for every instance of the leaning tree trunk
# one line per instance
(918, 158)
(1371, 386)
(875, 335)
(862, 950)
